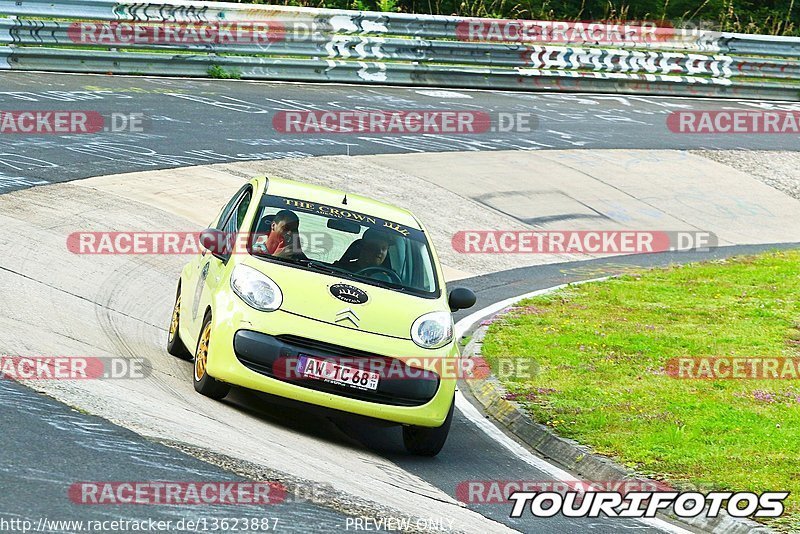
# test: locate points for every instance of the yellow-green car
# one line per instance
(328, 298)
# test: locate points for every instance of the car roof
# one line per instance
(332, 197)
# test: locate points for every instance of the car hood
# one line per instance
(309, 294)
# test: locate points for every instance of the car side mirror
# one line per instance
(216, 242)
(461, 298)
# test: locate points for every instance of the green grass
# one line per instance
(601, 349)
(218, 72)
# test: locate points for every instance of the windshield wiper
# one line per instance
(379, 282)
(347, 274)
(320, 266)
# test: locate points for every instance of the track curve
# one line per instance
(197, 122)
(120, 305)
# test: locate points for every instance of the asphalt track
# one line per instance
(196, 122)
(48, 447)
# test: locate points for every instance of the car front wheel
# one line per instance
(204, 383)
(424, 441)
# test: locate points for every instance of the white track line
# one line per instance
(471, 412)
(464, 324)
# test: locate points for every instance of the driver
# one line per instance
(374, 247)
(283, 239)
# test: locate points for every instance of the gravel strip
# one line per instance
(778, 169)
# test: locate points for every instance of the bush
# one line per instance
(773, 17)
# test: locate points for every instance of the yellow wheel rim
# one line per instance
(201, 357)
(176, 315)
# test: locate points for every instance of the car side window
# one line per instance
(222, 219)
(231, 219)
(241, 210)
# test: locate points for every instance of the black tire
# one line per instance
(424, 441)
(204, 383)
(175, 345)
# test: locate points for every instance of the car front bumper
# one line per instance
(245, 345)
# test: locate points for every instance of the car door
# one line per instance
(208, 269)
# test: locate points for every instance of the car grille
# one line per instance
(258, 352)
(320, 346)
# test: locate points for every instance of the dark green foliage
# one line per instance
(775, 17)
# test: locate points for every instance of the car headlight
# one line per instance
(256, 289)
(432, 330)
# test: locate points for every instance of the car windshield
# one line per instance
(343, 242)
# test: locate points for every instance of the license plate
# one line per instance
(332, 372)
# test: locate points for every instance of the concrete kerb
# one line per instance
(566, 453)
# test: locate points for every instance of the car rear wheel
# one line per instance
(175, 345)
(204, 383)
(424, 441)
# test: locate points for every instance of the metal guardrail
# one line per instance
(289, 43)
